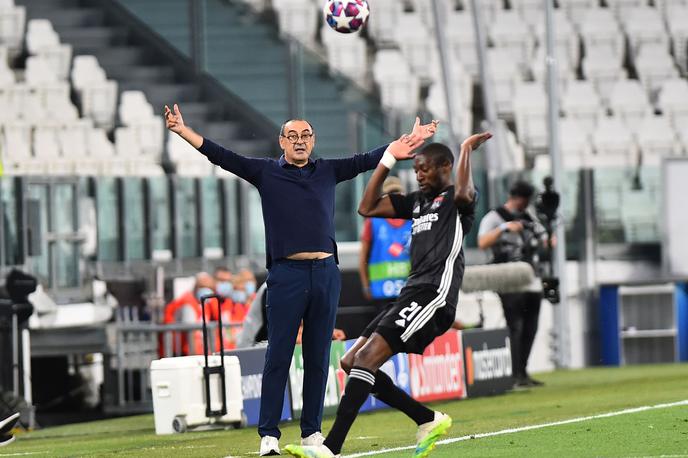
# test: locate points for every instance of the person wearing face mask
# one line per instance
(187, 309)
(224, 286)
(511, 233)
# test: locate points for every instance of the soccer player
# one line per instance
(442, 214)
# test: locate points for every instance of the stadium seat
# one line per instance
(462, 42)
(55, 100)
(622, 8)
(16, 149)
(530, 10)
(46, 151)
(509, 32)
(581, 102)
(73, 140)
(417, 44)
(39, 70)
(505, 75)
(673, 99)
(7, 76)
(566, 73)
(101, 158)
(656, 139)
(41, 39)
(577, 9)
(654, 65)
(600, 29)
(603, 68)
(566, 40)
(399, 87)
(664, 6)
(297, 19)
(437, 104)
(187, 161)
(86, 70)
(677, 22)
(574, 143)
(644, 26)
(382, 25)
(614, 144)
(629, 102)
(346, 54)
(424, 9)
(530, 113)
(461, 80)
(489, 8)
(12, 27)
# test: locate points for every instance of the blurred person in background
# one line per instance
(511, 233)
(186, 309)
(384, 260)
(224, 286)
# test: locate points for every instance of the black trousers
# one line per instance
(521, 311)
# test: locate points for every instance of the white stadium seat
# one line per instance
(41, 39)
(346, 54)
(614, 144)
(417, 44)
(677, 22)
(654, 65)
(622, 8)
(566, 40)
(673, 99)
(574, 143)
(16, 149)
(644, 26)
(399, 87)
(576, 9)
(461, 41)
(581, 102)
(530, 113)
(186, 158)
(437, 104)
(12, 26)
(382, 24)
(656, 139)
(629, 101)
(505, 75)
(603, 68)
(600, 29)
(510, 32)
(297, 19)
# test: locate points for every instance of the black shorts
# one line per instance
(414, 320)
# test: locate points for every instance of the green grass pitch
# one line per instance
(567, 395)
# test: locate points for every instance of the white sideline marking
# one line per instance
(451, 440)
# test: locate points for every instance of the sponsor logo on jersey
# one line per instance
(437, 202)
(423, 223)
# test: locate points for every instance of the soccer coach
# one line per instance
(297, 197)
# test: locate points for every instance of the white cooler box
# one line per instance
(179, 399)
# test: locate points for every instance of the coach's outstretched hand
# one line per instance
(173, 119)
(424, 131)
(475, 140)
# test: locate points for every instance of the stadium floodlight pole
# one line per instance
(561, 312)
(449, 95)
(494, 149)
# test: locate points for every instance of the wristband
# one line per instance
(388, 160)
(504, 227)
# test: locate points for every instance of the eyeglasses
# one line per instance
(293, 138)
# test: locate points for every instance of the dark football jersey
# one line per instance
(437, 235)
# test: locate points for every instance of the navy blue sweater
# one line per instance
(298, 202)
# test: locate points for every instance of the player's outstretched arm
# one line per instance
(175, 123)
(464, 189)
(373, 203)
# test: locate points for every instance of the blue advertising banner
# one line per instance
(252, 361)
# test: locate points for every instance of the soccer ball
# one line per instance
(346, 16)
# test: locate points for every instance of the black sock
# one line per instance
(386, 391)
(357, 389)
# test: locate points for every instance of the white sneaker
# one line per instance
(269, 445)
(313, 439)
(428, 433)
(310, 451)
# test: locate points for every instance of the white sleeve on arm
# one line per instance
(490, 221)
